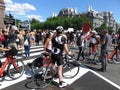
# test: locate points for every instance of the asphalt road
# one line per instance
(87, 79)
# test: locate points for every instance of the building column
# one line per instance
(2, 13)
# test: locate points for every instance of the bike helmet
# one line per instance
(59, 29)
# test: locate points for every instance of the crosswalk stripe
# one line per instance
(32, 54)
(83, 70)
(24, 77)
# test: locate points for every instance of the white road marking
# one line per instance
(107, 80)
(8, 82)
(83, 70)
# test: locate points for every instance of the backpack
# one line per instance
(79, 41)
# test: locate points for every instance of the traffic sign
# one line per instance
(25, 25)
(10, 21)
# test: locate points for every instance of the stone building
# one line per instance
(97, 18)
(2, 12)
(68, 12)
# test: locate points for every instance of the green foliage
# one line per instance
(66, 22)
(119, 30)
(103, 26)
(33, 20)
(110, 30)
(17, 22)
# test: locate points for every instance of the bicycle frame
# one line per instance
(114, 52)
(8, 59)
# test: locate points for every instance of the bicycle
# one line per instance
(15, 68)
(46, 73)
(91, 56)
(111, 57)
(70, 66)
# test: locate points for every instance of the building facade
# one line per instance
(97, 18)
(2, 13)
(68, 12)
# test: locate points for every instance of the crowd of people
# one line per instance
(56, 42)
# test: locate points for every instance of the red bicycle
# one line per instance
(114, 53)
(15, 68)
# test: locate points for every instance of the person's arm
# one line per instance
(66, 49)
(4, 49)
(45, 45)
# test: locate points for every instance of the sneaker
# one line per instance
(62, 84)
(29, 73)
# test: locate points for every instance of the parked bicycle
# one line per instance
(46, 73)
(15, 68)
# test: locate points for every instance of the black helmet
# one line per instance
(59, 29)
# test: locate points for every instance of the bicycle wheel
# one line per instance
(44, 79)
(36, 69)
(16, 73)
(97, 58)
(70, 69)
(116, 58)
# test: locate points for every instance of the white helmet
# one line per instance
(59, 29)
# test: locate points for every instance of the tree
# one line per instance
(103, 26)
(66, 22)
(110, 30)
(33, 20)
(17, 22)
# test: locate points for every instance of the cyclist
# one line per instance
(92, 42)
(59, 44)
(48, 43)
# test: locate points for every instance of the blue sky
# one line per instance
(42, 9)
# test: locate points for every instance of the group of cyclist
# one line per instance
(56, 43)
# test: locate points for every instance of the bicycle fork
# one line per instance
(14, 64)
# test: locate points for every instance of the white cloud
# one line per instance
(8, 1)
(37, 17)
(21, 9)
(18, 8)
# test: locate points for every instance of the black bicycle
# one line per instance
(44, 74)
(70, 67)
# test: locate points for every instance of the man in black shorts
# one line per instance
(59, 44)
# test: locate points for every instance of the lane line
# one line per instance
(107, 80)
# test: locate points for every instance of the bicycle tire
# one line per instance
(13, 73)
(97, 58)
(116, 58)
(35, 69)
(42, 72)
(45, 79)
(70, 70)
